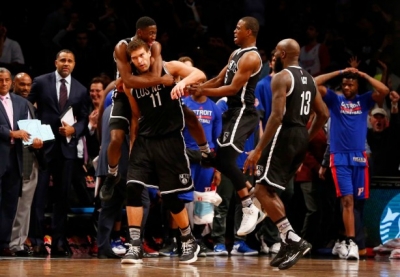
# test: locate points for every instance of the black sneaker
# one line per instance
(170, 249)
(208, 159)
(107, 190)
(203, 249)
(190, 249)
(280, 257)
(134, 254)
(295, 251)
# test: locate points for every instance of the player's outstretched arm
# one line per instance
(190, 75)
(249, 64)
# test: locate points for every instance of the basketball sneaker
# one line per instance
(219, 250)
(240, 248)
(170, 249)
(294, 251)
(280, 256)
(107, 190)
(340, 249)
(249, 220)
(352, 251)
(134, 254)
(149, 251)
(118, 247)
(190, 249)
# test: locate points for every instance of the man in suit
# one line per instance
(53, 94)
(12, 109)
(32, 159)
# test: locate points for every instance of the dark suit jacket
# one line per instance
(20, 110)
(44, 94)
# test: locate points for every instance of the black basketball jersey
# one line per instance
(245, 96)
(126, 41)
(160, 115)
(300, 97)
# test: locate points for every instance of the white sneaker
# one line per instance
(335, 249)
(340, 249)
(249, 220)
(352, 251)
(274, 249)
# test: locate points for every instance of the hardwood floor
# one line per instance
(204, 267)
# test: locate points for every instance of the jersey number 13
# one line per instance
(305, 103)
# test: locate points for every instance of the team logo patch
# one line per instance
(259, 170)
(226, 135)
(184, 178)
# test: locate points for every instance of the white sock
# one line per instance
(284, 227)
(113, 170)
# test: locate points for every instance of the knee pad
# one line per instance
(173, 203)
(134, 194)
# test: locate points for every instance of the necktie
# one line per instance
(9, 110)
(63, 94)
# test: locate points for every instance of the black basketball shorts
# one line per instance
(121, 113)
(160, 163)
(237, 125)
(282, 157)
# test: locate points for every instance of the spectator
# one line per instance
(314, 56)
(13, 108)
(349, 113)
(11, 56)
(53, 93)
(32, 160)
(383, 138)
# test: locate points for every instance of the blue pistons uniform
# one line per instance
(348, 131)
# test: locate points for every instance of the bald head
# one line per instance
(287, 53)
(290, 46)
(22, 84)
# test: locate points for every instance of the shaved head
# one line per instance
(287, 53)
(290, 46)
(22, 84)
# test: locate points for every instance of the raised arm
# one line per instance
(322, 79)
(380, 90)
(156, 57)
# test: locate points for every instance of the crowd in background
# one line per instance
(361, 34)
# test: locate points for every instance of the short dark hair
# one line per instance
(186, 59)
(135, 44)
(64, 51)
(351, 75)
(145, 22)
(252, 24)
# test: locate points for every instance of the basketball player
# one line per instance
(159, 159)
(285, 141)
(348, 159)
(237, 81)
(121, 111)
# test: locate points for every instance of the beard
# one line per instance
(278, 65)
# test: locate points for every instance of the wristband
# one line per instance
(395, 105)
(340, 72)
